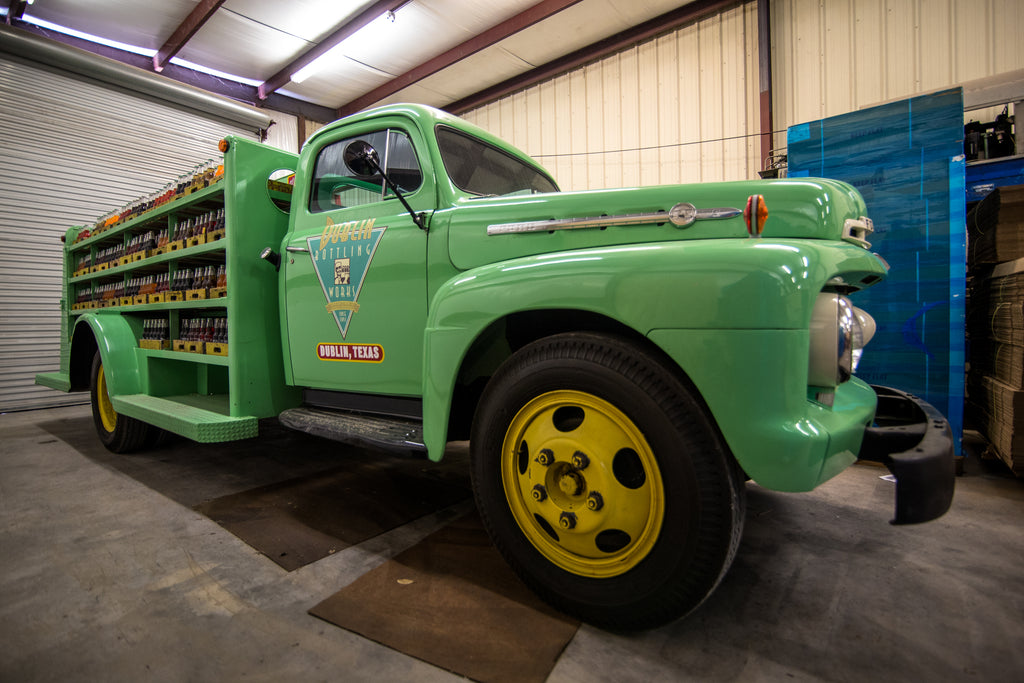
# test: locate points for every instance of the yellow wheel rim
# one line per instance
(108, 416)
(582, 483)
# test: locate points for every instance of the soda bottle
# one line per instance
(176, 279)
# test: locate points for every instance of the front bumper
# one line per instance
(915, 442)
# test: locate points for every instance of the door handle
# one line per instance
(297, 250)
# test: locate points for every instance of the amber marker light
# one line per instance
(755, 214)
(223, 146)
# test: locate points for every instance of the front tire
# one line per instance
(603, 483)
(119, 433)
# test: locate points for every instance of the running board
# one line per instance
(367, 431)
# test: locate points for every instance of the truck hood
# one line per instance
(491, 229)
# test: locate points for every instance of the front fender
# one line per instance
(732, 284)
(117, 341)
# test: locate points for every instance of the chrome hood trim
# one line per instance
(681, 215)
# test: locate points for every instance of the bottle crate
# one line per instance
(216, 349)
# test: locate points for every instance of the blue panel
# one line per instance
(985, 176)
(799, 133)
(906, 159)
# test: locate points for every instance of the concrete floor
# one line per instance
(107, 574)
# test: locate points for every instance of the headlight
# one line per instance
(863, 331)
(839, 331)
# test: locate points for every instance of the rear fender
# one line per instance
(116, 341)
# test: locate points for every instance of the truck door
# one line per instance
(355, 266)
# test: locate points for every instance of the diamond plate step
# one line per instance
(372, 431)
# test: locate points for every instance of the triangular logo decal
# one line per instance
(341, 258)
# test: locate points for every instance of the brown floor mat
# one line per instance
(452, 601)
(302, 520)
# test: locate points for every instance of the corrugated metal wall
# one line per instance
(72, 149)
(284, 133)
(700, 83)
(679, 108)
(842, 55)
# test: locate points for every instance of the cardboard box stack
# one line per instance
(995, 323)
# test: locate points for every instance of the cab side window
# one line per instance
(336, 186)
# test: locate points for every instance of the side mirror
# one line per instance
(362, 159)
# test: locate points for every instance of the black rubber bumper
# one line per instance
(915, 442)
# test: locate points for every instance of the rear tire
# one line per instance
(119, 433)
(603, 482)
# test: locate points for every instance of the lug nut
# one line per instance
(546, 457)
(580, 460)
(567, 520)
(595, 501)
(540, 493)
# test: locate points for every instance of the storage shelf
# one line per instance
(177, 204)
(184, 356)
(200, 396)
(188, 252)
(221, 302)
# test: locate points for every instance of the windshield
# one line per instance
(479, 168)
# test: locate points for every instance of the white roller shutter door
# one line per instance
(70, 149)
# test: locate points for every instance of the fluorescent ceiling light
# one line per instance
(135, 49)
(375, 32)
(314, 66)
(88, 36)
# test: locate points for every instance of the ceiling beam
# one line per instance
(525, 19)
(283, 76)
(15, 8)
(193, 22)
(664, 23)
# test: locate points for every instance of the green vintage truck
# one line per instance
(622, 361)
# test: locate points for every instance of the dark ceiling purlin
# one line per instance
(665, 23)
(282, 77)
(181, 35)
(524, 19)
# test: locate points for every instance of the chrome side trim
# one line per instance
(681, 215)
